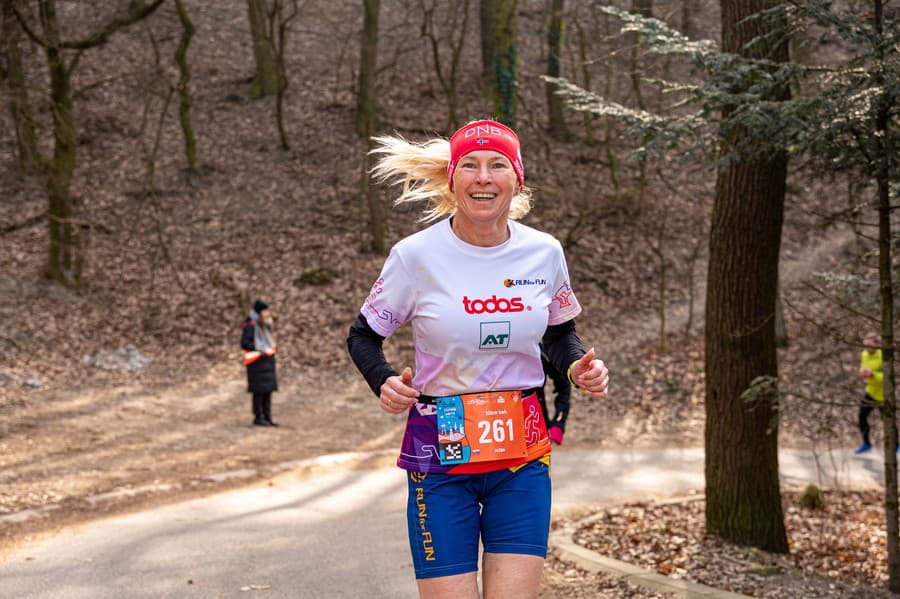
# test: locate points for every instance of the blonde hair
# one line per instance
(421, 167)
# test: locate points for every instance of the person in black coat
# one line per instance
(258, 343)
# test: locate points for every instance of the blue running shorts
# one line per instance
(446, 514)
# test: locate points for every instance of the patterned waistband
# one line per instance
(432, 399)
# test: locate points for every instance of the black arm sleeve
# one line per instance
(562, 345)
(247, 336)
(364, 345)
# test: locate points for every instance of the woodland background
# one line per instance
(145, 350)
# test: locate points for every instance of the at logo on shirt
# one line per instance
(494, 335)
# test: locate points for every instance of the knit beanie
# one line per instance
(259, 306)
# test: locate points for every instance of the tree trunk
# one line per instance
(887, 159)
(367, 123)
(887, 354)
(65, 257)
(488, 80)
(743, 501)
(506, 61)
(781, 336)
(375, 204)
(265, 77)
(19, 104)
(582, 59)
(366, 106)
(554, 48)
(184, 93)
(645, 9)
(284, 24)
(642, 7)
(689, 11)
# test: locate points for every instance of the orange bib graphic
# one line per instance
(480, 427)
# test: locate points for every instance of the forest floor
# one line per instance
(130, 392)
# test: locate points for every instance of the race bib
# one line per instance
(480, 427)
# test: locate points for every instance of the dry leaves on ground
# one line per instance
(835, 552)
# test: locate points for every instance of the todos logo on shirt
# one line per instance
(492, 305)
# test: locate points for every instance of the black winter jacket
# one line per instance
(261, 376)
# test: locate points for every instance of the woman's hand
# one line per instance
(397, 393)
(591, 374)
(865, 373)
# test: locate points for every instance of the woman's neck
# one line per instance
(489, 235)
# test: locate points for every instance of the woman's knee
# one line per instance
(511, 575)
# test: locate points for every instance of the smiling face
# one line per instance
(484, 184)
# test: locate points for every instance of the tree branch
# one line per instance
(32, 220)
(27, 28)
(840, 304)
(136, 12)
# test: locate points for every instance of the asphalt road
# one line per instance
(337, 534)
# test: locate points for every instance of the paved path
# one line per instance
(339, 534)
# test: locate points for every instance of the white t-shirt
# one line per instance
(478, 313)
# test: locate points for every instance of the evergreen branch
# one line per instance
(659, 37)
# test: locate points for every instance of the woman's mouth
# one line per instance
(483, 196)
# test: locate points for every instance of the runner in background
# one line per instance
(481, 293)
(871, 371)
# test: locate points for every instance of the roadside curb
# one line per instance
(567, 550)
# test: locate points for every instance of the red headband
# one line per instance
(485, 135)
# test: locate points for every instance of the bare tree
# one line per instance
(689, 11)
(456, 27)
(366, 107)
(284, 22)
(184, 92)
(554, 44)
(367, 123)
(65, 256)
(486, 20)
(645, 9)
(505, 60)
(12, 71)
(265, 74)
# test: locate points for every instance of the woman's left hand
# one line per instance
(591, 375)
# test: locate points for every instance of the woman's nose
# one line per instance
(483, 174)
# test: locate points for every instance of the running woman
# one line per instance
(482, 293)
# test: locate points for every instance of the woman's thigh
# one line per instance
(515, 514)
(443, 520)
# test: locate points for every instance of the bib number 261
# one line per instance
(480, 427)
(496, 431)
